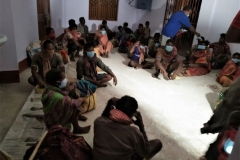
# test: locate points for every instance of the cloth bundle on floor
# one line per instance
(61, 144)
(87, 91)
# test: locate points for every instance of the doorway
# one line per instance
(184, 41)
(44, 20)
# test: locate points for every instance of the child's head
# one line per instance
(73, 27)
(82, 20)
(236, 55)
(71, 22)
(140, 26)
(156, 37)
(147, 23)
(56, 77)
(49, 31)
(104, 22)
(125, 25)
(120, 28)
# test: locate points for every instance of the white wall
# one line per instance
(25, 25)
(215, 18)
(63, 10)
(19, 24)
(155, 16)
(8, 56)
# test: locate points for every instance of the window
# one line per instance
(103, 10)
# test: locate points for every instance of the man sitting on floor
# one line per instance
(230, 72)
(137, 60)
(86, 66)
(221, 53)
(168, 61)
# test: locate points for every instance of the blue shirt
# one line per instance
(175, 23)
(136, 54)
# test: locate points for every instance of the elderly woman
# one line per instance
(104, 44)
(115, 138)
(44, 61)
(58, 107)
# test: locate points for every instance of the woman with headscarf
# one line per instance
(58, 107)
(43, 62)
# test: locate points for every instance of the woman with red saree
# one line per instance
(230, 72)
(200, 61)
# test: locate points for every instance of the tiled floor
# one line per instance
(173, 111)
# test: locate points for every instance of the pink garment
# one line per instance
(104, 44)
(118, 116)
(67, 36)
(73, 32)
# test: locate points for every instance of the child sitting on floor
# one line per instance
(138, 60)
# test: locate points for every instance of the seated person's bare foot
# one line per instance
(172, 77)
(185, 74)
(155, 75)
(81, 117)
(81, 130)
(102, 85)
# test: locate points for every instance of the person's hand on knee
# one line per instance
(41, 84)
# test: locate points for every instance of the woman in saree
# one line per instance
(58, 107)
(104, 44)
(44, 61)
(50, 35)
(230, 72)
(200, 61)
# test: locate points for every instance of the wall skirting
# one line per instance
(14, 76)
(9, 76)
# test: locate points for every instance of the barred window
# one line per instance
(103, 10)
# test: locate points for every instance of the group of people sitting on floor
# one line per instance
(113, 135)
